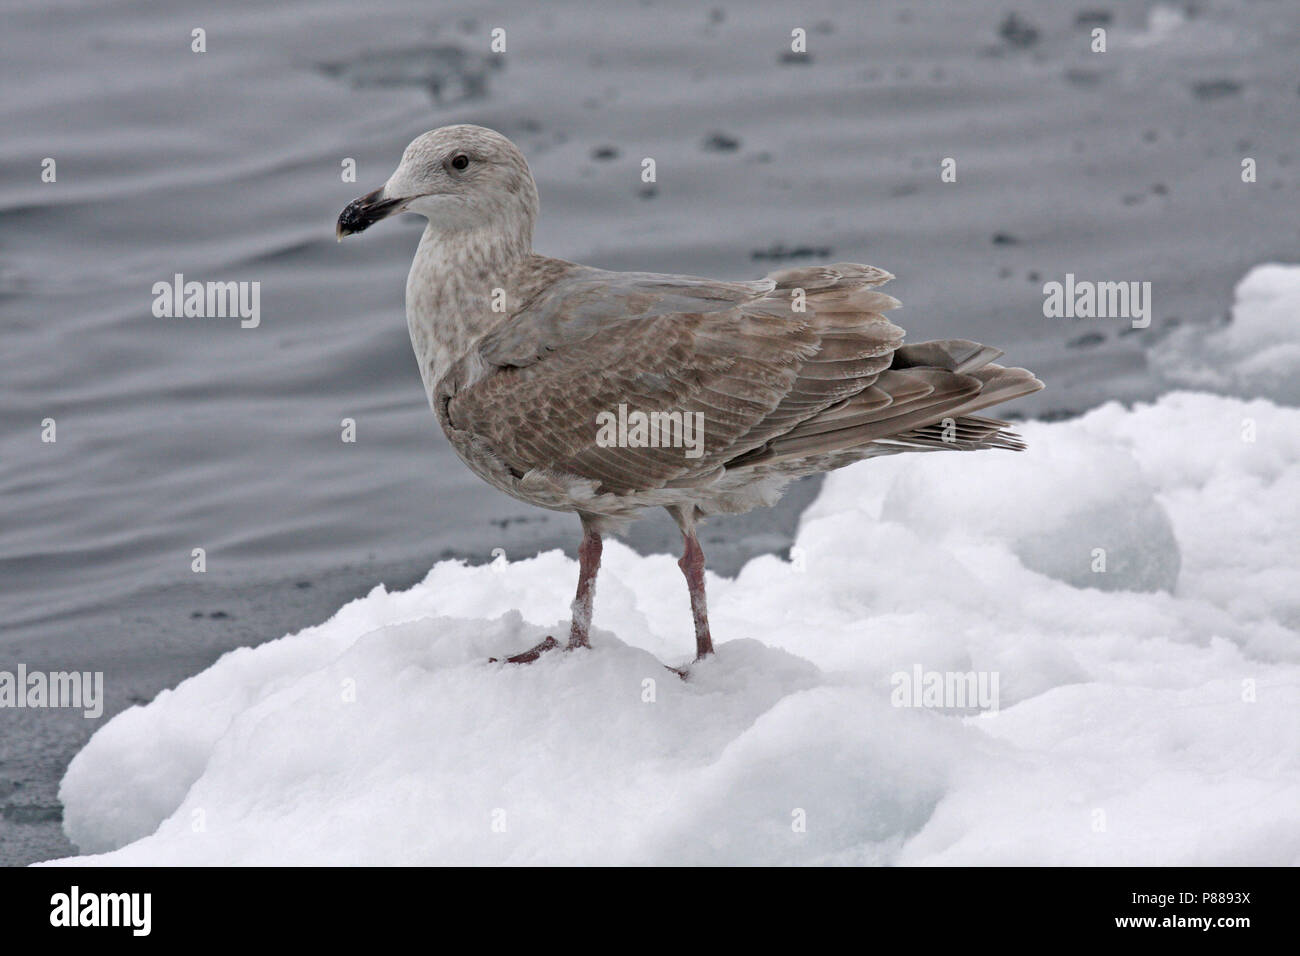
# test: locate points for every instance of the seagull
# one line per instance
(608, 393)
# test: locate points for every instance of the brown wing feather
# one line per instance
(803, 364)
(754, 370)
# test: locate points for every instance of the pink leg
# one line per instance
(692, 565)
(588, 565)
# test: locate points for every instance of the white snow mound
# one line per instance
(1146, 712)
(1257, 353)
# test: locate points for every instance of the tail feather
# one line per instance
(955, 355)
(923, 401)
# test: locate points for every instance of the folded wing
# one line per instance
(791, 367)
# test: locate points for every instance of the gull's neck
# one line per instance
(450, 291)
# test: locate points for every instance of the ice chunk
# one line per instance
(1256, 354)
(1126, 718)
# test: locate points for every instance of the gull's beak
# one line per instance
(360, 214)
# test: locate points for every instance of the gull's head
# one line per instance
(459, 178)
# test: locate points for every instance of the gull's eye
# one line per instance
(459, 161)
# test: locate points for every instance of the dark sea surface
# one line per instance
(176, 434)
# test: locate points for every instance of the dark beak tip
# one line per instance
(347, 225)
(360, 214)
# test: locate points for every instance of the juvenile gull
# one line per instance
(527, 360)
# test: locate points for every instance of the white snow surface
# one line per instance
(1256, 353)
(1148, 713)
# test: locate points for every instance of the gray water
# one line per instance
(175, 434)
